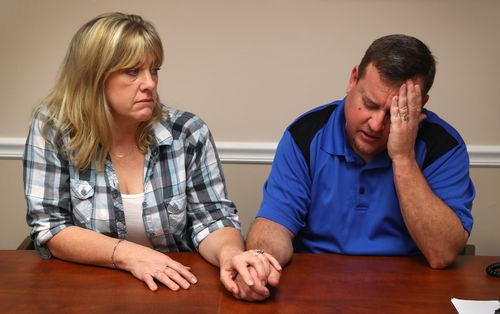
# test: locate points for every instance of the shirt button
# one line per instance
(361, 190)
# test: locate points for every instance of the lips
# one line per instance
(368, 137)
(145, 100)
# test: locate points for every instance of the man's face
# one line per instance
(367, 112)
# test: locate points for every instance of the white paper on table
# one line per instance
(475, 306)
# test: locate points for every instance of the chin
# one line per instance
(367, 151)
(145, 115)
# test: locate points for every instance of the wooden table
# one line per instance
(312, 283)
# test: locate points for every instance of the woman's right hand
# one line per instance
(152, 266)
(252, 271)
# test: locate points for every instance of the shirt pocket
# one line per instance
(82, 195)
(177, 213)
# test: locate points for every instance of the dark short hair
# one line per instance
(398, 58)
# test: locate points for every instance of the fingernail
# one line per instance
(193, 280)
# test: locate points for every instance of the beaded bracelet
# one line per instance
(113, 253)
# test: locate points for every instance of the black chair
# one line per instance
(27, 244)
(469, 249)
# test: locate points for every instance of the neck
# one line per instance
(124, 133)
(124, 141)
(122, 151)
(123, 144)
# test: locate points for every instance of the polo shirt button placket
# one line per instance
(362, 203)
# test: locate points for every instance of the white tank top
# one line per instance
(132, 207)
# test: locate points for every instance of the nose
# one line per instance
(148, 81)
(378, 120)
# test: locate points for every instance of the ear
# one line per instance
(425, 99)
(353, 79)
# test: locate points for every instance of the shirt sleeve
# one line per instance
(46, 186)
(209, 209)
(287, 191)
(449, 179)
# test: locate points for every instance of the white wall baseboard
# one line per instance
(12, 147)
(246, 152)
(263, 152)
(484, 155)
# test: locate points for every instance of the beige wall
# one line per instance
(13, 227)
(263, 62)
(250, 67)
(486, 211)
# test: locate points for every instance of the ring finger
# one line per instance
(403, 101)
(166, 280)
(261, 265)
(176, 277)
(414, 100)
(184, 271)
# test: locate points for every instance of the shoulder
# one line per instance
(304, 129)
(438, 136)
(43, 124)
(313, 120)
(183, 124)
(41, 115)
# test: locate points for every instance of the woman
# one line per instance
(113, 178)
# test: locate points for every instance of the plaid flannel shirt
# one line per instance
(184, 188)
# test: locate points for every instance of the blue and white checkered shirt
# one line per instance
(185, 197)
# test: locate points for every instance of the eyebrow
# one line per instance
(370, 102)
(366, 99)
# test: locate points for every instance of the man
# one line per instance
(372, 174)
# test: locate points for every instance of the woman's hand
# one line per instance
(246, 274)
(152, 266)
(240, 271)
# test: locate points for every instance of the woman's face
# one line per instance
(131, 92)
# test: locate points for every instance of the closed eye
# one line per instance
(369, 104)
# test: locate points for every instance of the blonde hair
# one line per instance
(77, 105)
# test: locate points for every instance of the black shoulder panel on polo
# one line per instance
(305, 128)
(437, 141)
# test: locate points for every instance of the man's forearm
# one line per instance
(271, 237)
(434, 226)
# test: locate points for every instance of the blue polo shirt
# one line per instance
(332, 201)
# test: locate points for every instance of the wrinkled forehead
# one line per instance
(378, 90)
(375, 90)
